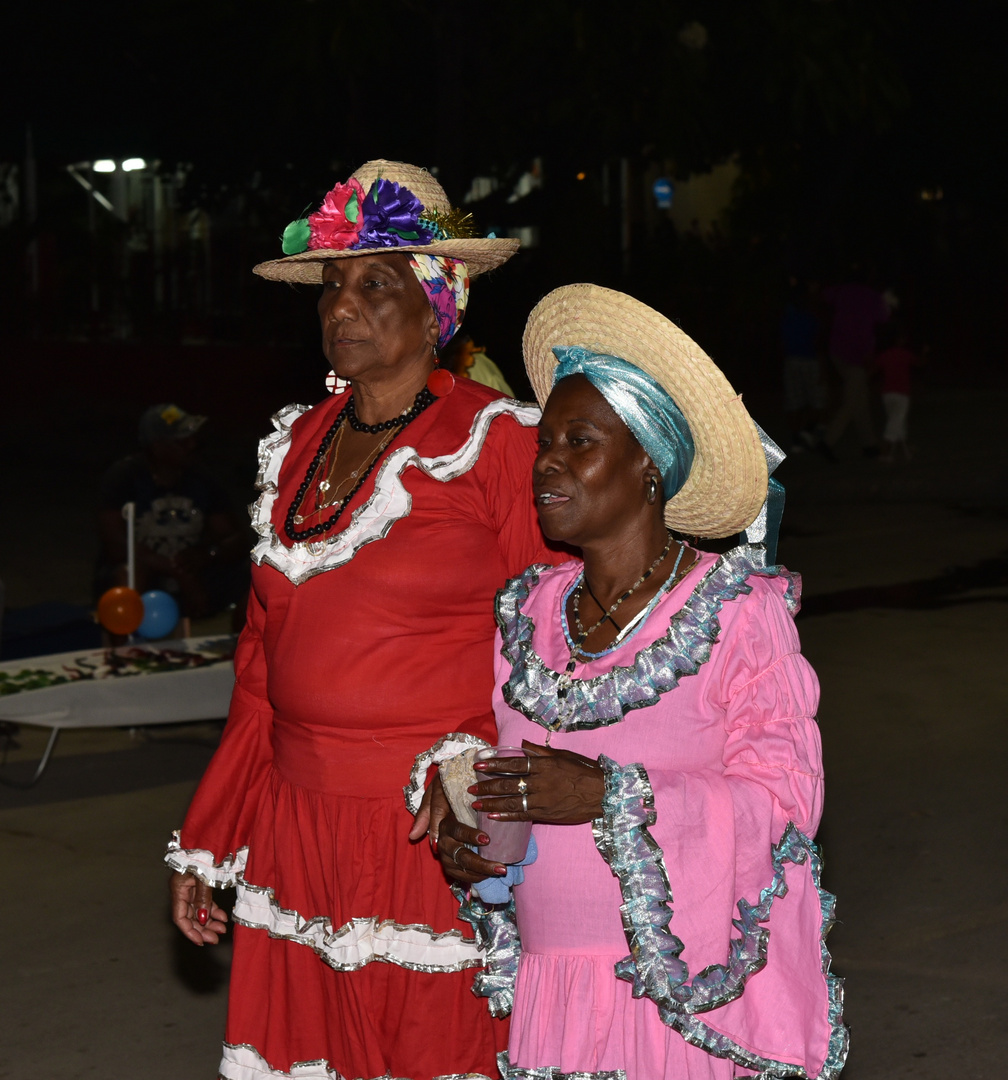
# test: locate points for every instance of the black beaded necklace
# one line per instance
(348, 413)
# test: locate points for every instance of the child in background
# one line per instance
(894, 364)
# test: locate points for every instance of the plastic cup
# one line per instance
(509, 840)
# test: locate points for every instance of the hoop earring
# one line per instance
(652, 494)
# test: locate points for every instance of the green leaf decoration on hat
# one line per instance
(352, 209)
(295, 237)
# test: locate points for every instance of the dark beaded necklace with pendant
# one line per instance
(566, 679)
(349, 414)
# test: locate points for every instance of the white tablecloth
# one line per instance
(124, 700)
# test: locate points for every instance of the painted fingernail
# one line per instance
(493, 817)
(481, 766)
(482, 839)
(500, 871)
(202, 916)
(473, 790)
(477, 804)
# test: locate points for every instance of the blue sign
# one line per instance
(663, 192)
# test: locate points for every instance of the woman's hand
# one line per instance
(559, 787)
(189, 898)
(449, 838)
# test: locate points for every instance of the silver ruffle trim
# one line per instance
(605, 699)
(496, 931)
(446, 747)
(359, 942)
(218, 875)
(550, 1072)
(389, 502)
(654, 967)
(244, 1062)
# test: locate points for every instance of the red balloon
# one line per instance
(120, 610)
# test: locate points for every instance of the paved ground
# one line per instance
(905, 621)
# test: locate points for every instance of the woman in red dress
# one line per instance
(389, 515)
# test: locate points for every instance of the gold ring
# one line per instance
(522, 787)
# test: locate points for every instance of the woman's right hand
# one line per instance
(190, 896)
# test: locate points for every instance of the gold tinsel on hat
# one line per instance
(450, 224)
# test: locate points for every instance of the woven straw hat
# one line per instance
(728, 482)
(480, 254)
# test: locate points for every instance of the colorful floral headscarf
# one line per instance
(446, 283)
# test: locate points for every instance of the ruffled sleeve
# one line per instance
(740, 969)
(770, 695)
(213, 842)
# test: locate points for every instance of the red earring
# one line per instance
(440, 382)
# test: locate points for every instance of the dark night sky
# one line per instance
(840, 111)
(257, 82)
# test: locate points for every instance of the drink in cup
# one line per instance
(509, 840)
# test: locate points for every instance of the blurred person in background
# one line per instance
(188, 541)
(858, 309)
(465, 360)
(894, 365)
(802, 374)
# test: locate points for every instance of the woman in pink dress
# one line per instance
(673, 924)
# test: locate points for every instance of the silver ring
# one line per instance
(528, 765)
(522, 787)
(524, 804)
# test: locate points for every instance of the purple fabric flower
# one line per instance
(389, 216)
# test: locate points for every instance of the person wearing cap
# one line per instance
(364, 648)
(673, 923)
(187, 539)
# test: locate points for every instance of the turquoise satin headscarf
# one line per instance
(640, 402)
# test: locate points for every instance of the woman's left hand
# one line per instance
(559, 787)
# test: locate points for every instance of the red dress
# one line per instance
(360, 652)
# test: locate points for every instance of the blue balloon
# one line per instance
(161, 615)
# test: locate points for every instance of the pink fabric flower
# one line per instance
(337, 222)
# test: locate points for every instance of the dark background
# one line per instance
(867, 131)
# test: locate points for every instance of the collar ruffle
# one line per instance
(656, 669)
(389, 502)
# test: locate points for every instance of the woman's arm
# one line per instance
(210, 849)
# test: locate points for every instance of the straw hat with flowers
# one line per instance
(728, 481)
(385, 206)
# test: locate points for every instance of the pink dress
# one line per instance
(681, 935)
